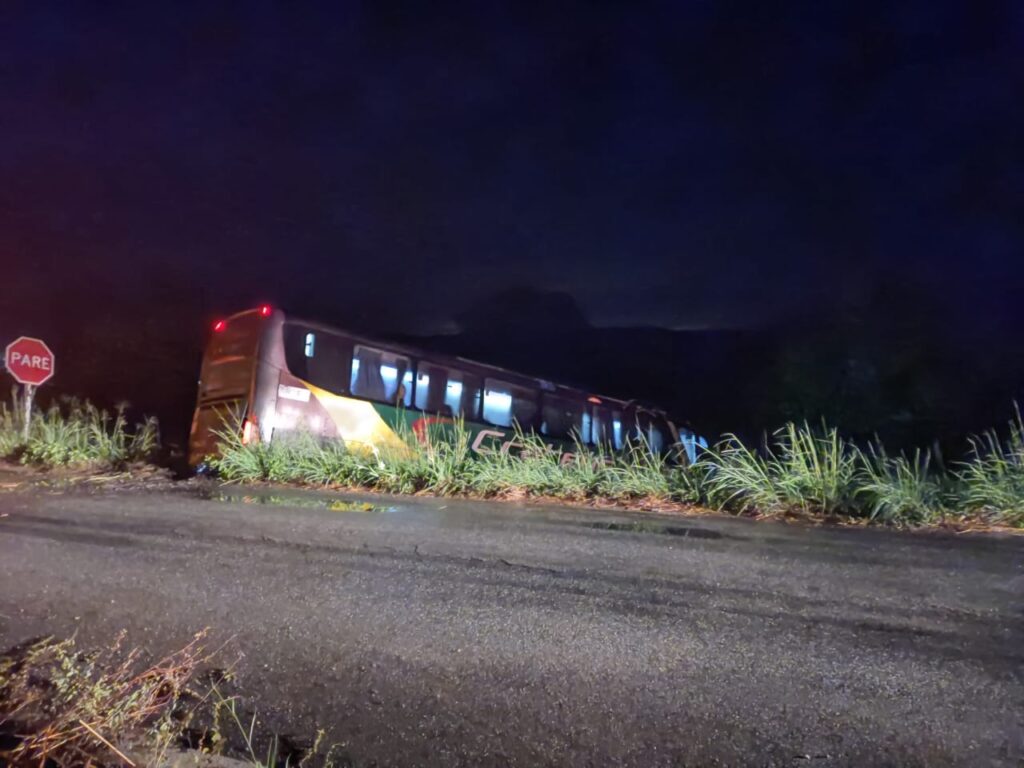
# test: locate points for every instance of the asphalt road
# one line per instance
(455, 633)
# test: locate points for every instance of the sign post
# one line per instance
(30, 393)
(31, 363)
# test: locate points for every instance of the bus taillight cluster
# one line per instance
(264, 310)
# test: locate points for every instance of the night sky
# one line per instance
(682, 165)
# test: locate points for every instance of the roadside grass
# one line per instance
(226, 712)
(990, 483)
(799, 471)
(76, 434)
(63, 706)
(441, 461)
(11, 435)
(903, 490)
(804, 471)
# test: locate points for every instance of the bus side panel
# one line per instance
(357, 422)
(483, 438)
(296, 409)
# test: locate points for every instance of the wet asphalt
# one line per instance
(438, 632)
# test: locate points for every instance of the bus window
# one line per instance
(618, 436)
(381, 376)
(661, 433)
(505, 404)
(601, 426)
(447, 391)
(318, 357)
(651, 431)
(562, 417)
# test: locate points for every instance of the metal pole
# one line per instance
(30, 392)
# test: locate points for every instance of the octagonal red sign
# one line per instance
(29, 360)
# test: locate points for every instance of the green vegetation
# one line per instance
(800, 471)
(815, 472)
(442, 462)
(77, 434)
(901, 489)
(992, 481)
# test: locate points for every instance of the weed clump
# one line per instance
(62, 706)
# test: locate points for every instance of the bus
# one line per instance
(280, 375)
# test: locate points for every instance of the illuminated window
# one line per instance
(507, 404)
(617, 438)
(447, 392)
(498, 407)
(382, 376)
(407, 389)
(422, 389)
(453, 396)
(310, 346)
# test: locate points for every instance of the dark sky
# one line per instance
(680, 164)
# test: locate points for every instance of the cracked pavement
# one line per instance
(440, 632)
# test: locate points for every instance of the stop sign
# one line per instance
(29, 360)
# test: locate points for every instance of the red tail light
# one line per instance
(220, 325)
(265, 310)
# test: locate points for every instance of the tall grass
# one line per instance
(799, 470)
(77, 434)
(815, 472)
(11, 427)
(992, 479)
(902, 489)
(440, 460)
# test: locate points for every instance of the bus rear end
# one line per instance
(228, 379)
